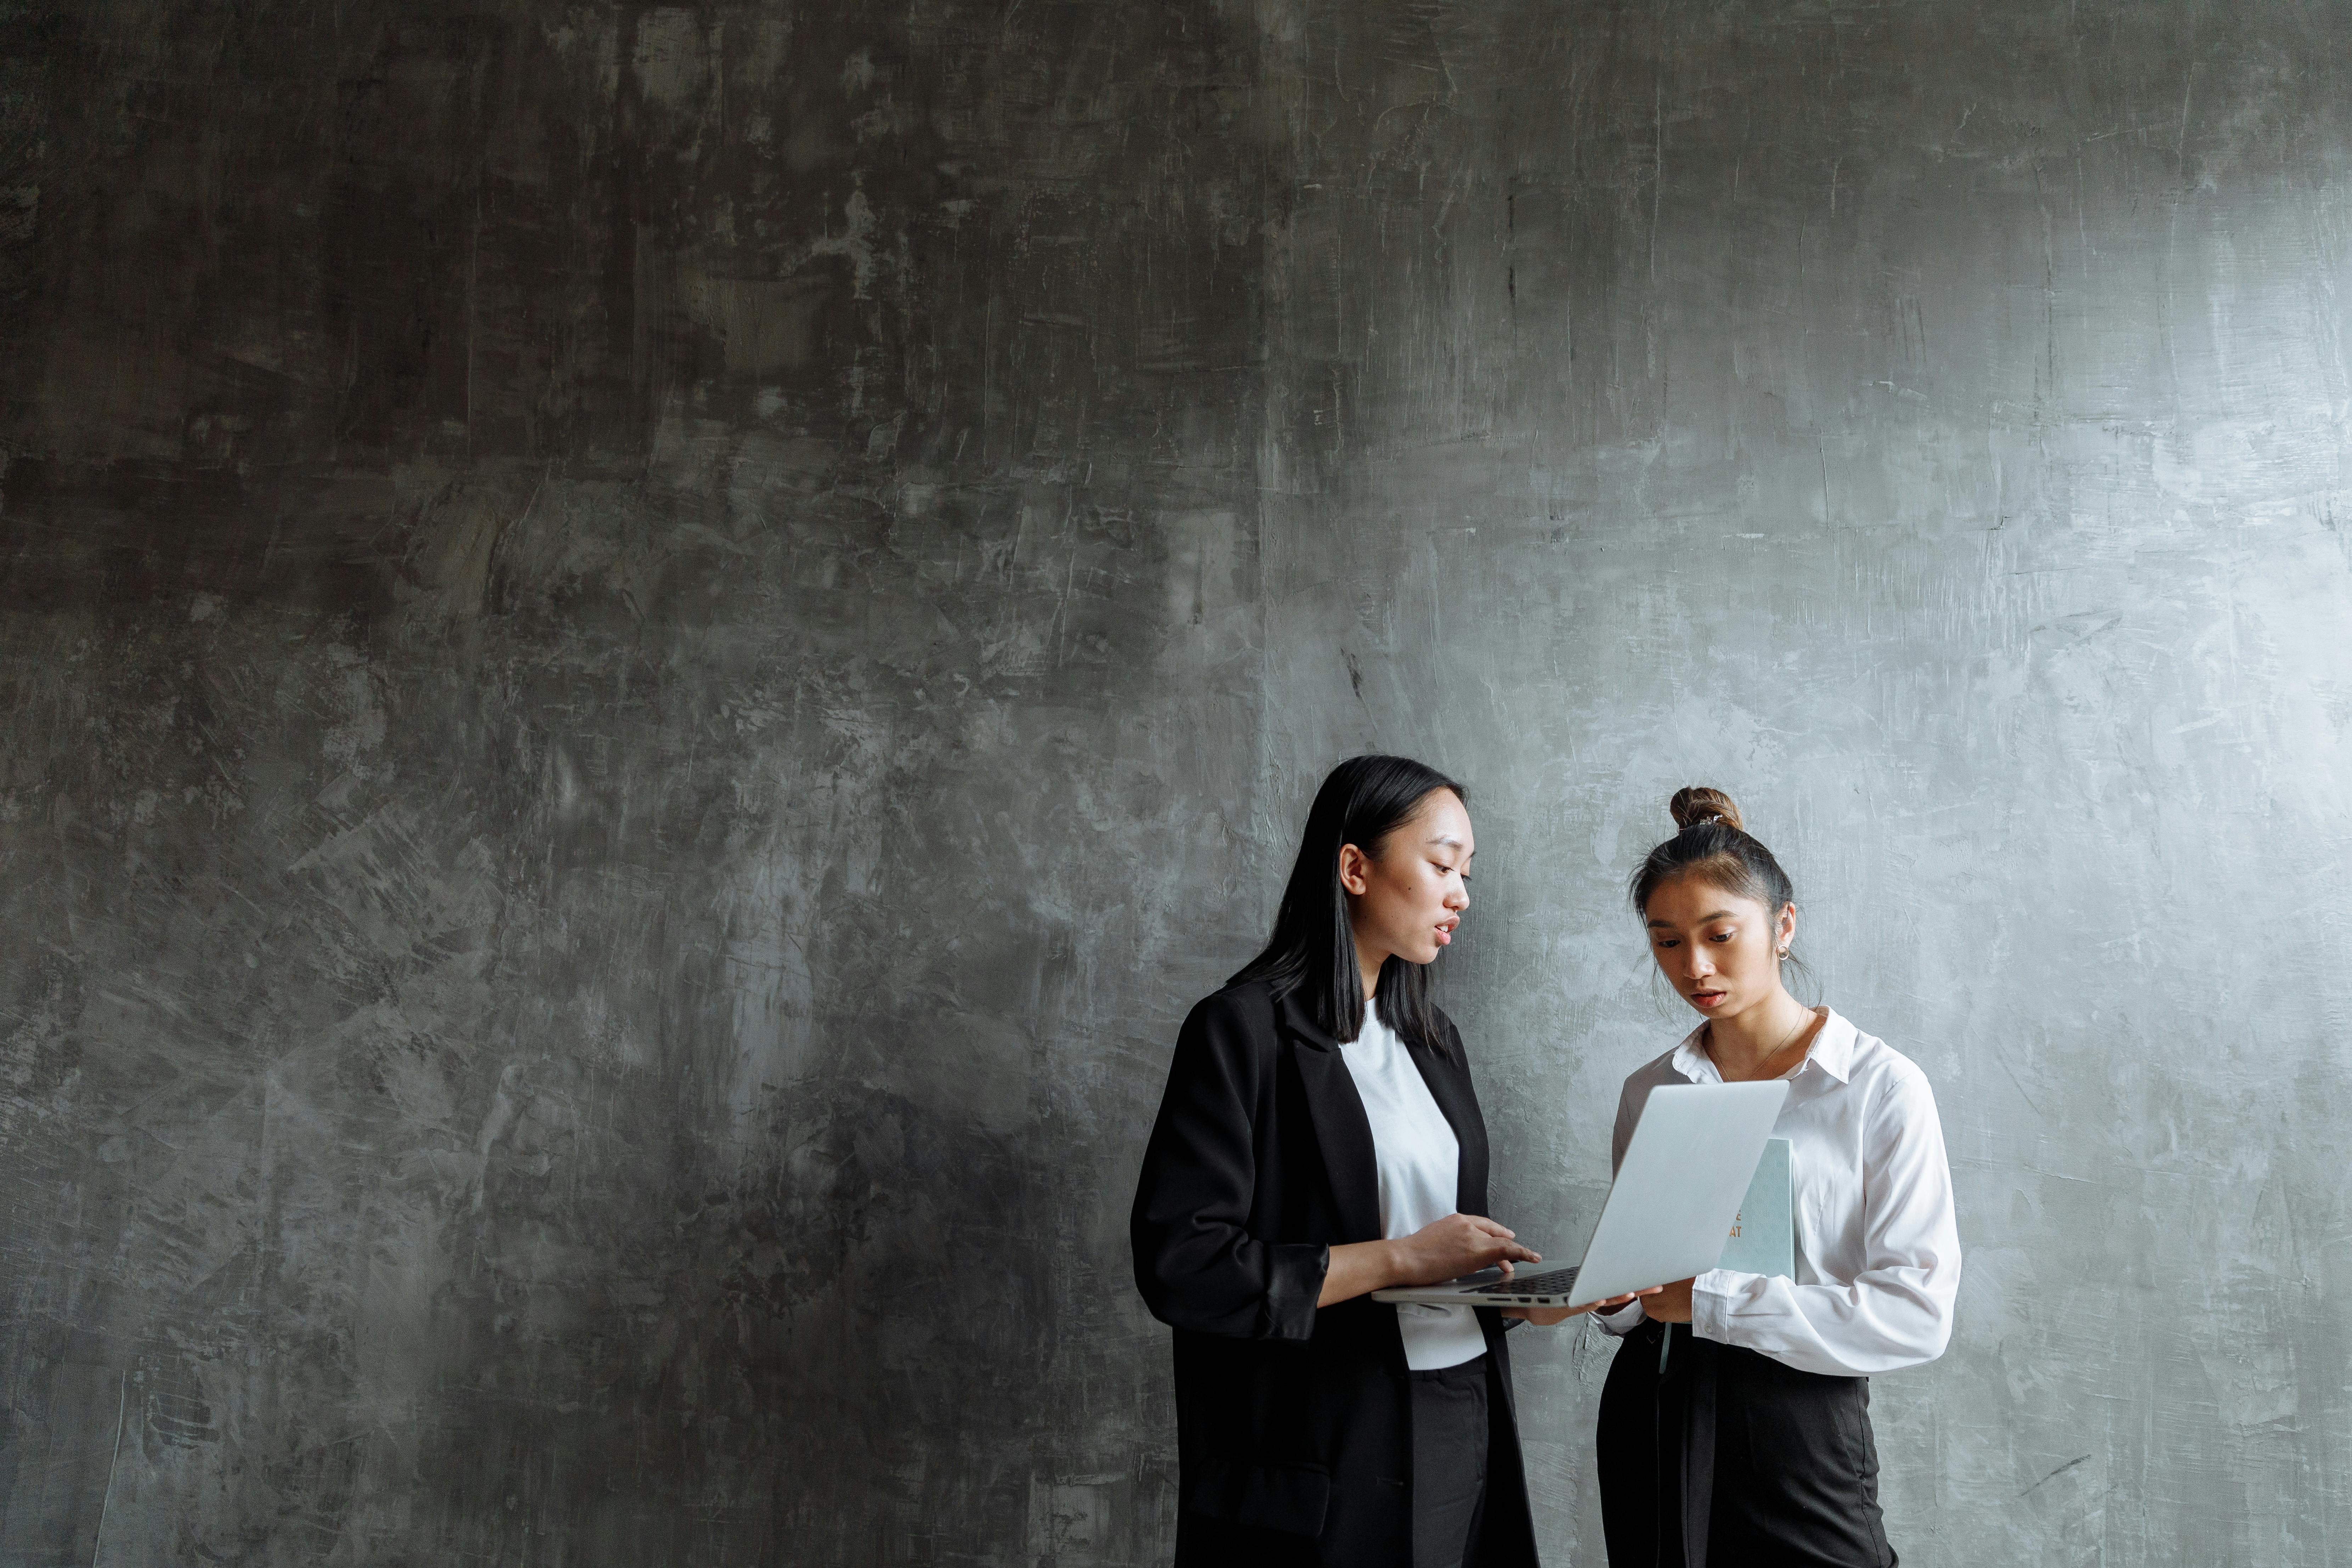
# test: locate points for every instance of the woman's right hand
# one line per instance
(1441, 1250)
(1459, 1244)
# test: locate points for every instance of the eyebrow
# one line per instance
(1703, 920)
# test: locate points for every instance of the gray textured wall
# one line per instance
(648, 650)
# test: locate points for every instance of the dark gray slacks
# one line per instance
(1449, 1460)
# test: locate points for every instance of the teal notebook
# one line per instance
(1764, 1236)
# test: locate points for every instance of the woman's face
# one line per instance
(1719, 948)
(1407, 895)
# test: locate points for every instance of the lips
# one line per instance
(1445, 932)
(1708, 998)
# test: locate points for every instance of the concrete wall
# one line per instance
(645, 652)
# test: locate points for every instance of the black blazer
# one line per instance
(1293, 1421)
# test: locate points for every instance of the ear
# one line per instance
(1785, 927)
(1354, 868)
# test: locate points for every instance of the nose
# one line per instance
(1457, 898)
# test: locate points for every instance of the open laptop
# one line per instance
(1669, 1212)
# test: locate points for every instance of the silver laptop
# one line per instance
(1669, 1212)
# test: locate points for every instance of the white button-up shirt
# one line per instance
(1878, 1253)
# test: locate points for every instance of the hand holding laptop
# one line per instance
(1671, 1304)
(1546, 1317)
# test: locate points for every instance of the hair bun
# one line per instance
(1694, 806)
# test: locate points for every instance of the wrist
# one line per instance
(1395, 1264)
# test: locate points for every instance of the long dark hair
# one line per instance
(1711, 841)
(1313, 950)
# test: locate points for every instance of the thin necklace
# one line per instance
(1810, 1017)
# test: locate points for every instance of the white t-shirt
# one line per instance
(1419, 1161)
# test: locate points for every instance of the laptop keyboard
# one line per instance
(1555, 1283)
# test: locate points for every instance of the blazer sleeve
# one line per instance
(1196, 1262)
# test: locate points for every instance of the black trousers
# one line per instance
(1449, 1461)
(1731, 1457)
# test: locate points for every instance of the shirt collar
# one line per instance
(1834, 1048)
(1691, 1059)
(1832, 1052)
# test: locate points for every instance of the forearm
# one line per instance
(1359, 1268)
(1885, 1321)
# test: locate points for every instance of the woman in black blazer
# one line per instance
(1299, 1155)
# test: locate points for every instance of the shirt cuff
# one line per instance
(1621, 1322)
(1713, 1295)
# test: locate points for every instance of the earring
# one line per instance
(1784, 952)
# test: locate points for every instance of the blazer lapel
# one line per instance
(1341, 1130)
(1449, 1085)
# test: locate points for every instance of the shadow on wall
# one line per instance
(547, 555)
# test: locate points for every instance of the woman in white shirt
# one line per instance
(1734, 1425)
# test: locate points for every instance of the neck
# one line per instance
(1368, 959)
(1744, 1046)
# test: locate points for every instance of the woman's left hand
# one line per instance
(1544, 1317)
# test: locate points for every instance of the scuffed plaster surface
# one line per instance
(646, 651)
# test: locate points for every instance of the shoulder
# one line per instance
(1231, 1038)
(1887, 1075)
(1659, 1069)
(1246, 1010)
